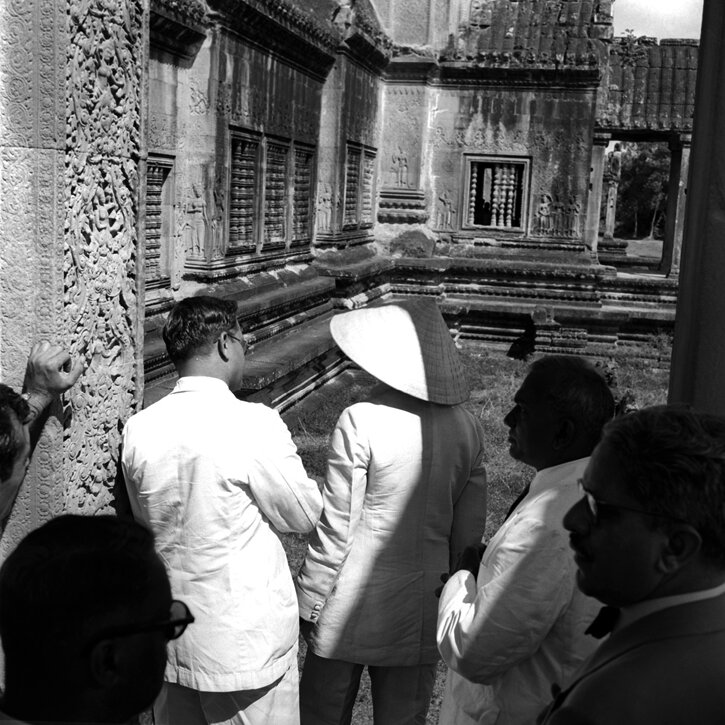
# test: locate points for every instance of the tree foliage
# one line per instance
(642, 197)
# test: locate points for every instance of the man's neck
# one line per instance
(199, 369)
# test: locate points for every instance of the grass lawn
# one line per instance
(494, 378)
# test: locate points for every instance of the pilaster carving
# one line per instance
(105, 58)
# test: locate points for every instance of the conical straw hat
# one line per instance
(407, 345)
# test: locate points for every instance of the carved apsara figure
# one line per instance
(197, 222)
(543, 215)
(557, 217)
(446, 211)
(178, 247)
(217, 223)
(324, 208)
(573, 213)
(400, 167)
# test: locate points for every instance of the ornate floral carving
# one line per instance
(104, 64)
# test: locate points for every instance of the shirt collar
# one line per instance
(194, 383)
(650, 606)
(553, 476)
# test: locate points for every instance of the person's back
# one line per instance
(417, 458)
(196, 461)
(211, 476)
(405, 492)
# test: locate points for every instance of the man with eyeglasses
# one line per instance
(513, 622)
(649, 542)
(85, 617)
(213, 477)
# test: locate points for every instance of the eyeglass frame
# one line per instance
(594, 503)
(242, 341)
(130, 629)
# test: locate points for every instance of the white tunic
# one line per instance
(519, 627)
(211, 475)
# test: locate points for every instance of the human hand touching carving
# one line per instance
(49, 373)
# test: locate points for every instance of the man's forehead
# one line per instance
(603, 472)
(532, 389)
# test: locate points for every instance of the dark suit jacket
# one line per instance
(667, 668)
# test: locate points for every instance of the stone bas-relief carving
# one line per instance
(400, 168)
(324, 207)
(446, 212)
(197, 222)
(103, 85)
(558, 217)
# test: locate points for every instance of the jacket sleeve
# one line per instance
(278, 481)
(524, 584)
(343, 496)
(469, 508)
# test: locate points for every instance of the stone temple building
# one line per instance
(306, 156)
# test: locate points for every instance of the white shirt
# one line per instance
(211, 475)
(519, 627)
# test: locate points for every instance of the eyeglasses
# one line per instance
(595, 505)
(241, 341)
(180, 617)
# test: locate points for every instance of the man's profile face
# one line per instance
(532, 424)
(10, 486)
(617, 552)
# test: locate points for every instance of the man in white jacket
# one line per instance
(211, 475)
(515, 624)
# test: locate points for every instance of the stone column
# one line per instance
(611, 216)
(596, 180)
(698, 356)
(71, 154)
(676, 197)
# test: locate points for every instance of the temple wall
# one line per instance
(547, 130)
(71, 165)
(348, 151)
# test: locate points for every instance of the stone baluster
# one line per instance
(472, 195)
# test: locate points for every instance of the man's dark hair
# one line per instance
(13, 409)
(65, 581)
(575, 389)
(195, 323)
(673, 462)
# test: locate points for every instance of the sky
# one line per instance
(658, 18)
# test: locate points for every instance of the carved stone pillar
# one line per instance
(698, 355)
(71, 156)
(594, 204)
(676, 197)
(610, 218)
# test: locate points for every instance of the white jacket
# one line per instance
(211, 475)
(519, 627)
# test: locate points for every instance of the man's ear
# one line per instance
(682, 545)
(223, 346)
(564, 433)
(104, 663)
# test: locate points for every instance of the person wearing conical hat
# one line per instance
(405, 493)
